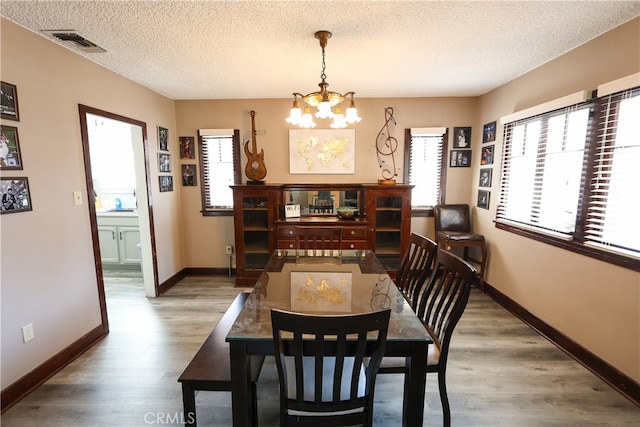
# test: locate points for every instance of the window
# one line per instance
(542, 170)
(614, 205)
(220, 168)
(424, 155)
(570, 177)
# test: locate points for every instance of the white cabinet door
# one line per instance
(129, 238)
(109, 252)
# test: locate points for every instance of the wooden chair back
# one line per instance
(321, 371)
(445, 297)
(416, 267)
(318, 241)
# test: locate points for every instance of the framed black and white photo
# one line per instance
(9, 102)
(489, 132)
(462, 137)
(166, 183)
(460, 158)
(163, 139)
(9, 148)
(189, 176)
(485, 177)
(486, 157)
(15, 195)
(483, 199)
(164, 162)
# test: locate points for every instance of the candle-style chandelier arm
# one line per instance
(324, 100)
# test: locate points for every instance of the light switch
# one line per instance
(77, 198)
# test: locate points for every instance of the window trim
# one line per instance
(577, 244)
(218, 211)
(427, 211)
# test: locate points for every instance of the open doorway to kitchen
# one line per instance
(116, 171)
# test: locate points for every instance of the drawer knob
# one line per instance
(351, 246)
(290, 231)
(291, 245)
(353, 232)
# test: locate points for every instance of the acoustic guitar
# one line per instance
(255, 169)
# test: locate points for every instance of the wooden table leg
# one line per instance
(241, 397)
(189, 404)
(415, 381)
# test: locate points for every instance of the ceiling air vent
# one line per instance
(76, 40)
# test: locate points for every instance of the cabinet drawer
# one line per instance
(354, 233)
(355, 244)
(286, 244)
(287, 232)
(346, 244)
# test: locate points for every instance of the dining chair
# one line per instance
(416, 267)
(440, 307)
(318, 241)
(453, 229)
(320, 361)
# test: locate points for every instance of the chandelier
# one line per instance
(324, 100)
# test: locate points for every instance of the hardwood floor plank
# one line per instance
(500, 371)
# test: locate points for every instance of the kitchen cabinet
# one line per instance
(119, 237)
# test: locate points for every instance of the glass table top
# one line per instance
(353, 283)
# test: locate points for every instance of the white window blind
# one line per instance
(612, 215)
(425, 165)
(542, 170)
(218, 163)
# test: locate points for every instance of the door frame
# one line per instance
(83, 110)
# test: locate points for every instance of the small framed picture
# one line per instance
(487, 155)
(164, 162)
(460, 158)
(163, 139)
(166, 183)
(189, 176)
(9, 148)
(462, 137)
(187, 147)
(485, 177)
(483, 199)
(9, 102)
(15, 195)
(489, 132)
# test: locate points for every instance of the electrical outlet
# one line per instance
(228, 249)
(27, 333)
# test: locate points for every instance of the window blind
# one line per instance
(543, 161)
(425, 165)
(218, 162)
(613, 210)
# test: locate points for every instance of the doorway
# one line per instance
(127, 195)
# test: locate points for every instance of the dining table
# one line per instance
(337, 282)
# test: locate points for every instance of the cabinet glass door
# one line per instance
(256, 221)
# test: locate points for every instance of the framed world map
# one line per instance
(323, 151)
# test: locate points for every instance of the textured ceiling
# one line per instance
(266, 49)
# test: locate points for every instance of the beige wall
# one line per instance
(594, 303)
(206, 237)
(48, 276)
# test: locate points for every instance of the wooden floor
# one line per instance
(500, 372)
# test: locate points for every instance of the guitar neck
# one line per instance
(253, 132)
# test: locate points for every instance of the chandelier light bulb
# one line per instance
(324, 110)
